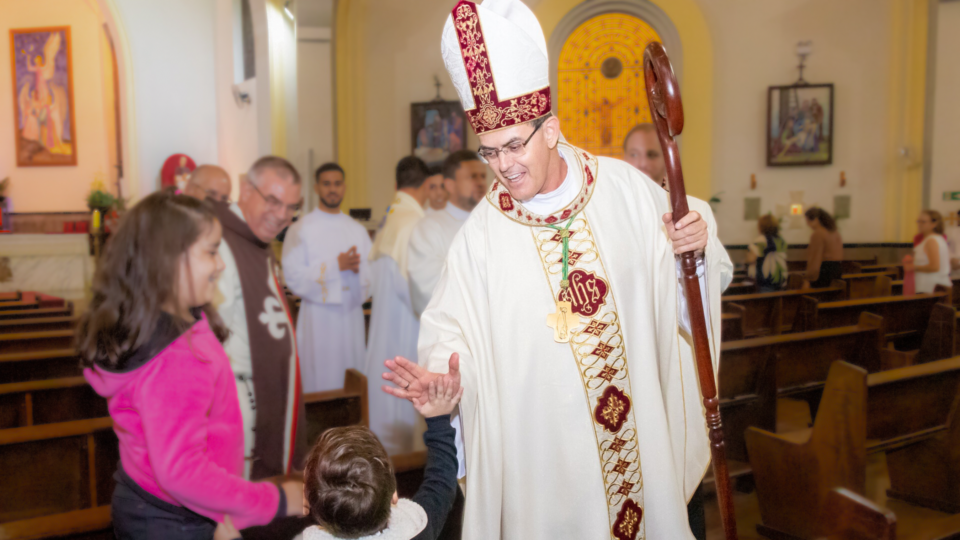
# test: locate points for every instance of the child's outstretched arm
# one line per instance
(439, 487)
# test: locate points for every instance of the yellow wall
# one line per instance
(53, 189)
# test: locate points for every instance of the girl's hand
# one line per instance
(225, 530)
(293, 489)
(443, 394)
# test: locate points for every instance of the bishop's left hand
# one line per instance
(688, 234)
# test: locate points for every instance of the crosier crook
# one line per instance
(663, 95)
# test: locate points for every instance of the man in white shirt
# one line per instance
(393, 325)
(465, 180)
(325, 264)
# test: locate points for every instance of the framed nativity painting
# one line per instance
(800, 125)
(45, 132)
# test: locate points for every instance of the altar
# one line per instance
(55, 264)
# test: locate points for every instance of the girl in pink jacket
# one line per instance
(152, 346)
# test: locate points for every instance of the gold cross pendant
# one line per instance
(563, 322)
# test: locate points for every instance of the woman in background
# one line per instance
(825, 251)
(767, 256)
(931, 258)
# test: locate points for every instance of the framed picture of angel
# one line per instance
(45, 132)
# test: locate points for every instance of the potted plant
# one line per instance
(99, 198)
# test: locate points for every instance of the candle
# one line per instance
(96, 220)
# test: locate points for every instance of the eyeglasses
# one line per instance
(276, 205)
(513, 150)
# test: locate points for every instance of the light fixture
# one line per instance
(286, 9)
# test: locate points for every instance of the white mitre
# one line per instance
(496, 56)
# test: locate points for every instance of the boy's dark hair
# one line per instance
(453, 161)
(137, 277)
(411, 172)
(768, 225)
(349, 483)
(328, 167)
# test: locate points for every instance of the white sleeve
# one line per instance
(316, 281)
(425, 259)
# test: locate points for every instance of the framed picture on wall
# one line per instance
(437, 129)
(44, 129)
(800, 125)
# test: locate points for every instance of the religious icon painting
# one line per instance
(42, 68)
(438, 128)
(800, 125)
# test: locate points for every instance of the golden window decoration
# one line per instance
(600, 82)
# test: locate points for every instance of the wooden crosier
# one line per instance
(663, 95)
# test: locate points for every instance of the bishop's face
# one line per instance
(521, 168)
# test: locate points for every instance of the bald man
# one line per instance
(209, 182)
(641, 148)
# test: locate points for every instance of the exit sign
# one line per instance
(951, 195)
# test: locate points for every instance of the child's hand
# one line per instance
(443, 394)
(225, 530)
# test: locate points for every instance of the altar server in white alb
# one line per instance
(393, 325)
(581, 410)
(325, 264)
(465, 182)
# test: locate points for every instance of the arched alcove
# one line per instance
(596, 69)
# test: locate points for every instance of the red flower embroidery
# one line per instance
(589, 175)
(612, 409)
(627, 524)
(587, 292)
(566, 214)
(506, 202)
(551, 220)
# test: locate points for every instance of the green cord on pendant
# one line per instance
(565, 238)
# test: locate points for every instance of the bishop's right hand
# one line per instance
(412, 381)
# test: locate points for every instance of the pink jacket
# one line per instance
(181, 436)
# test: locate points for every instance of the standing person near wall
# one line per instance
(931, 258)
(825, 250)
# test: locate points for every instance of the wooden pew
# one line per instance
(847, 266)
(49, 401)
(731, 326)
(771, 313)
(736, 289)
(10, 297)
(335, 408)
(905, 317)
(848, 516)
(58, 478)
(36, 341)
(39, 324)
(906, 413)
(755, 373)
(19, 305)
(865, 285)
(883, 268)
(33, 366)
(62, 311)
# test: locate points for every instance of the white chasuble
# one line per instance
(330, 328)
(393, 325)
(604, 436)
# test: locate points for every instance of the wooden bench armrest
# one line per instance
(54, 431)
(57, 525)
(43, 384)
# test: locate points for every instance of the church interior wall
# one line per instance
(57, 189)
(945, 175)
(314, 104)
(755, 43)
(172, 53)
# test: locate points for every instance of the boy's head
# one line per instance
(348, 482)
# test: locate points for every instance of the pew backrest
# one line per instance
(60, 311)
(49, 401)
(336, 408)
(39, 324)
(770, 313)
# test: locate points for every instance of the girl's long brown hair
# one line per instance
(137, 276)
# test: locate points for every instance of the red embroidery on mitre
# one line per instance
(587, 293)
(506, 202)
(612, 409)
(489, 113)
(628, 520)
